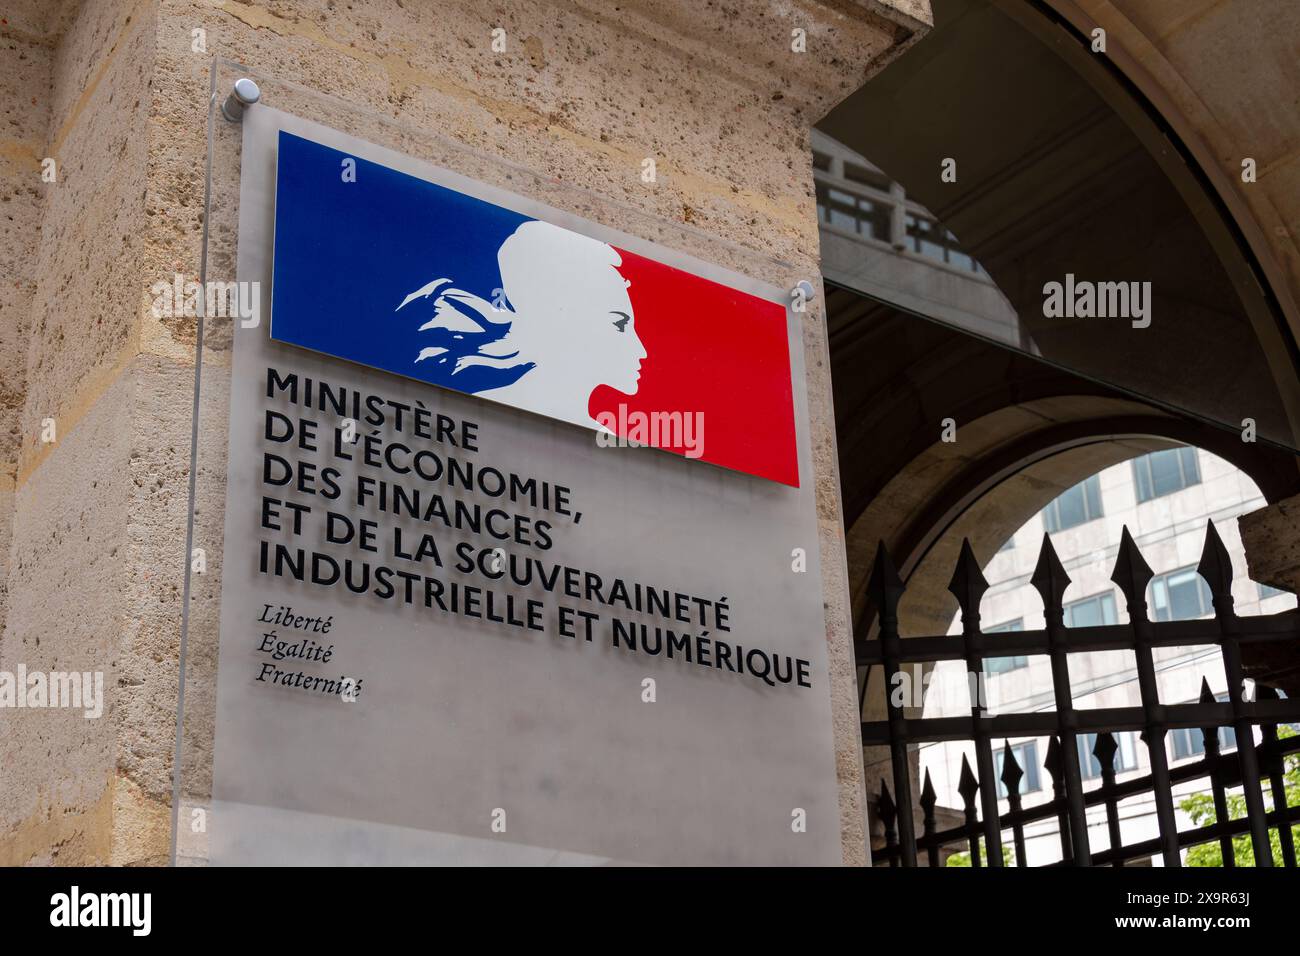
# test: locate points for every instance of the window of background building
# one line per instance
(1000, 665)
(867, 177)
(1092, 611)
(1164, 472)
(956, 257)
(1079, 505)
(925, 234)
(929, 238)
(1026, 755)
(821, 161)
(1180, 595)
(856, 214)
(1125, 756)
(1190, 741)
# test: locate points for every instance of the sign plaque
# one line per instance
(521, 551)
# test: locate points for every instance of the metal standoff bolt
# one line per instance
(806, 287)
(244, 95)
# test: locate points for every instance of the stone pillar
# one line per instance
(1271, 537)
(98, 457)
(92, 525)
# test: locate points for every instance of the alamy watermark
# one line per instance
(1083, 299)
(75, 690)
(223, 300)
(908, 688)
(629, 428)
(133, 911)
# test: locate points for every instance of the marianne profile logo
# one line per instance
(561, 325)
(398, 273)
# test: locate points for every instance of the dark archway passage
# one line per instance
(1040, 166)
(963, 404)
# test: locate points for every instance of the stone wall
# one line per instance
(82, 575)
(1272, 539)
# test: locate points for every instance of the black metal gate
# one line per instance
(1248, 768)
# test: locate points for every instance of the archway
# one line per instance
(1034, 162)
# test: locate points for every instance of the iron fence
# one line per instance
(1248, 767)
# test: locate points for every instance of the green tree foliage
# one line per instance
(963, 859)
(1200, 807)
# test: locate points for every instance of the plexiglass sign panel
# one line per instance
(460, 619)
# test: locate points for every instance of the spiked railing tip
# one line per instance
(1049, 578)
(1052, 762)
(1210, 732)
(1105, 749)
(967, 786)
(1011, 772)
(1132, 574)
(885, 587)
(1216, 567)
(968, 583)
(928, 796)
(885, 805)
(1207, 696)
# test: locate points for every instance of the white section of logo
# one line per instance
(568, 318)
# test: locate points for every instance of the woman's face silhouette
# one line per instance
(615, 338)
(575, 316)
